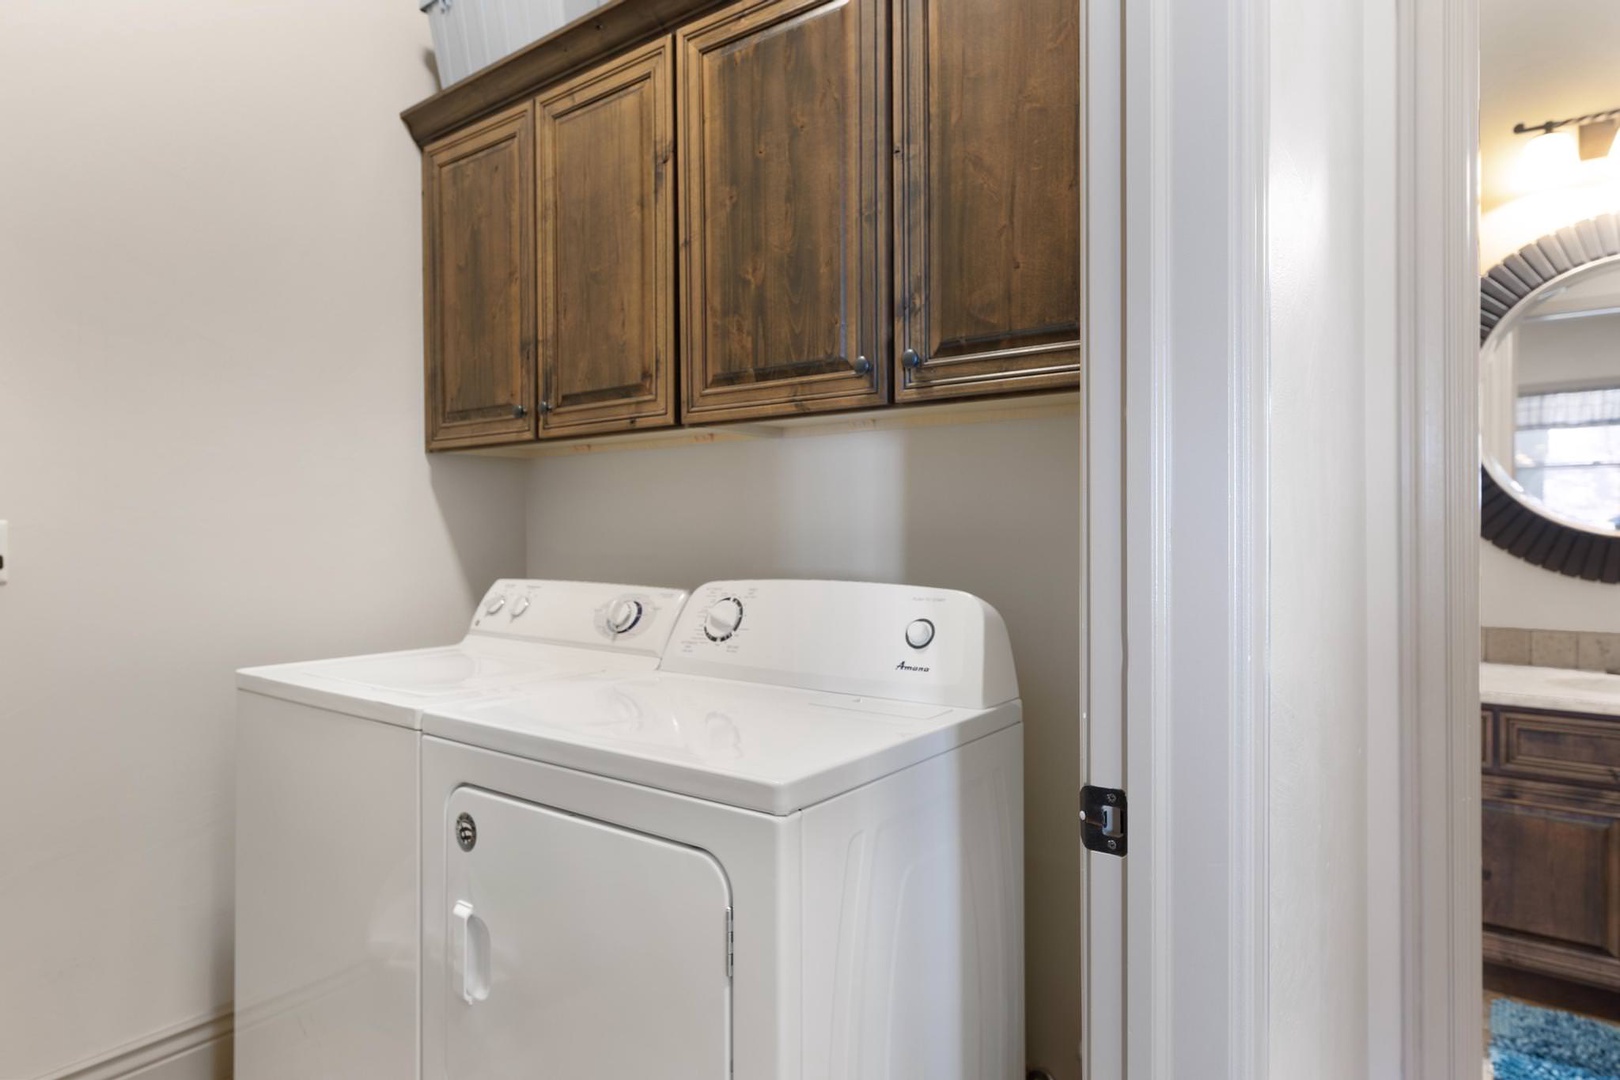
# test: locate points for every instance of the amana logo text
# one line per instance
(903, 666)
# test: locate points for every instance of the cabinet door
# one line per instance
(987, 183)
(478, 211)
(785, 262)
(1551, 873)
(607, 282)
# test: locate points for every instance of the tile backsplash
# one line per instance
(1581, 649)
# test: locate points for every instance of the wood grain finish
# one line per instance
(987, 182)
(1551, 833)
(1571, 748)
(478, 254)
(1528, 846)
(607, 282)
(784, 263)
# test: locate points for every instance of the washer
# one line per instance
(795, 852)
(328, 821)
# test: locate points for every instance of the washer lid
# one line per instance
(395, 687)
(522, 631)
(767, 748)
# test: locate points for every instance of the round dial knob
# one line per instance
(920, 633)
(723, 619)
(494, 605)
(623, 615)
(520, 605)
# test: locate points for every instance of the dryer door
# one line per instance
(576, 950)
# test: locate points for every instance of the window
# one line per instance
(1567, 453)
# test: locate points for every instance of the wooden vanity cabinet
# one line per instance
(1551, 832)
(784, 279)
(606, 277)
(987, 196)
(478, 200)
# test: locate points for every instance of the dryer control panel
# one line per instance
(901, 642)
(624, 618)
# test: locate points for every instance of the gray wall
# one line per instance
(210, 456)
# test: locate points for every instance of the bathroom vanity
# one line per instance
(1550, 751)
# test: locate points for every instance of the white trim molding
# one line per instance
(1437, 342)
(1249, 709)
(166, 1053)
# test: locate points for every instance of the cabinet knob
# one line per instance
(911, 358)
(863, 366)
(520, 411)
(545, 406)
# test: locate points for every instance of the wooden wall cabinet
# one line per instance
(607, 288)
(1551, 830)
(987, 196)
(478, 253)
(784, 265)
(621, 225)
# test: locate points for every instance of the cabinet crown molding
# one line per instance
(610, 29)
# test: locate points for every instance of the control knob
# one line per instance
(723, 619)
(920, 633)
(623, 615)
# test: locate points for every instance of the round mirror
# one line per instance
(1550, 401)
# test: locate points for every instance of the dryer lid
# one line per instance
(767, 748)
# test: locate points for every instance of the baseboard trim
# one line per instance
(151, 1051)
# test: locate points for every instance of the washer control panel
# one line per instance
(630, 618)
(891, 641)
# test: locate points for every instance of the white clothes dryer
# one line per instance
(328, 819)
(795, 852)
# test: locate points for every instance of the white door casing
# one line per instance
(1284, 627)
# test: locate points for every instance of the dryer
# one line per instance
(328, 822)
(795, 852)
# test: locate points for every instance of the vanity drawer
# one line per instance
(1565, 748)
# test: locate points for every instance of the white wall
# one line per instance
(989, 508)
(1514, 593)
(210, 455)
(1568, 353)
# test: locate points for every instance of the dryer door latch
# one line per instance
(1102, 819)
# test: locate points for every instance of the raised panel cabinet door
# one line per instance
(1551, 873)
(784, 268)
(607, 272)
(987, 196)
(478, 253)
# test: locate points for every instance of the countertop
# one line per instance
(1564, 689)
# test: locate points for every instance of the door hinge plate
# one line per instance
(731, 944)
(1102, 819)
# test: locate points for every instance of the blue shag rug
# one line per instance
(1528, 1043)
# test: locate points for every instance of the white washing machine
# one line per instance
(795, 852)
(328, 821)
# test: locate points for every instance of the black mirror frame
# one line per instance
(1506, 520)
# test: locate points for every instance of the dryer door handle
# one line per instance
(469, 952)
